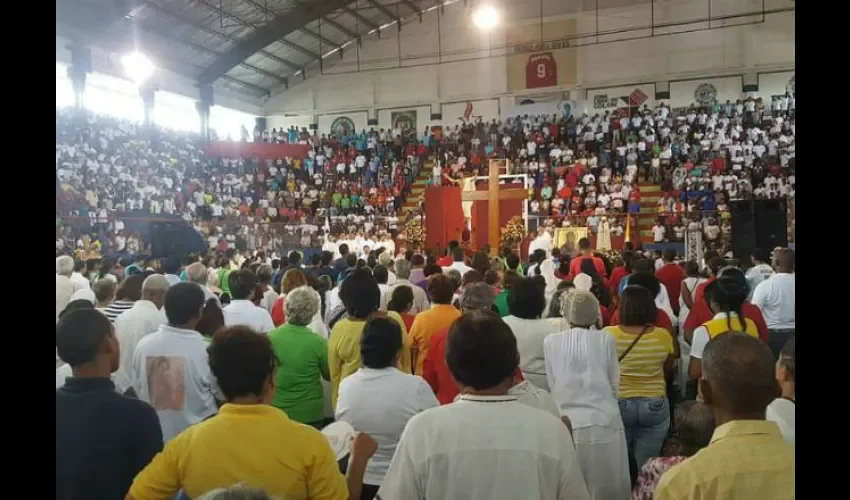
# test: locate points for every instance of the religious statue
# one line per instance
(467, 185)
(603, 235)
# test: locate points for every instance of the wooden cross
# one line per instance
(493, 195)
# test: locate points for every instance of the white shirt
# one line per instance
(540, 243)
(80, 280)
(65, 287)
(584, 375)
(170, 363)
(460, 266)
(530, 334)
(756, 275)
(783, 413)
(420, 298)
(535, 397)
(776, 298)
(380, 403)
(522, 452)
(244, 312)
(131, 326)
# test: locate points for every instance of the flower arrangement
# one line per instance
(612, 258)
(513, 233)
(414, 233)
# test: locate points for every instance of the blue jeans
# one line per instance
(646, 421)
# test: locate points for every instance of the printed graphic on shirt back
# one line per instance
(541, 71)
(166, 382)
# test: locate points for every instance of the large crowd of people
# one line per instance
(109, 172)
(366, 373)
(585, 170)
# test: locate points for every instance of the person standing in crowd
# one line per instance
(783, 409)
(501, 299)
(65, 286)
(361, 299)
(522, 451)
(293, 279)
(264, 280)
(197, 273)
(420, 298)
(457, 262)
(379, 399)
(760, 271)
(747, 457)
(402, 303)
(144, 318)
(303, 357)
(527, 304)
(129, 291)
(582, 370)
(170, 369)
(694, 427)
(341, 264)
(645, 354)
(651, 283)
(417, 269)
(441, 315)
(725, 296)
(103, 439)
(241, 311)
(671, 276)
(475, 297)
(776, 297)
(104, 293)
(250, 441)
(584, 252)
(171, 269)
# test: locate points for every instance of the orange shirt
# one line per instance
(426, 324)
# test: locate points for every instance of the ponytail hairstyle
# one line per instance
(728, 293)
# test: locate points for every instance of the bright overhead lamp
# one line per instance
(138, 67)
(485, 17)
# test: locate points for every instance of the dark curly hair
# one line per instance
(241, 361)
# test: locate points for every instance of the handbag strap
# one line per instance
(632, 345)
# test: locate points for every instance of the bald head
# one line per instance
(154, 288)
(783, 260)
(197, 273)
(740, 374)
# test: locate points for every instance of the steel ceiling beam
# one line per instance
(298, 48)
(342, 29)
(267, 34)
(194, 24)
(320, 38)
(359, 17)
(385, 11)
(412, 6)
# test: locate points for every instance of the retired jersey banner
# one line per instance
(541, 56)
(541, 71)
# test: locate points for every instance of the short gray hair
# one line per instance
(477, 296)
(65, 265)
(197, 273)
(301, 304)
(694, 426)
(155, 283)
(402, 269)
(455, 277)
(264, 273)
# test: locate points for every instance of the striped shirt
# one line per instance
(642, 370)
(114, 309)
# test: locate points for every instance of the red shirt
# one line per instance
(671, 276)
(444, 261)
(617, 275)
(701, 313)
(661, 320)
(575, 266)
(699, 292)
(278, 312)
(436, 372)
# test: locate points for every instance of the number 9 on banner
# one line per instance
(541, 71)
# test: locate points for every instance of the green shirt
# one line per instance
(224, 280)
(303, 357)
(501, 303)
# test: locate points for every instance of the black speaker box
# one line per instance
(168, 239)
(758, 224)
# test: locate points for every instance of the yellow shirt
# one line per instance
(746, 460)
(642, 370)
(255, 444)
(344, 350)
(426, 324)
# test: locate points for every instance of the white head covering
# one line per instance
(581, 308)
(85, 293)
(583, 282)
(547, 270)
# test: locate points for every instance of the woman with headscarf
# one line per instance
(546, 269)
(584, 377)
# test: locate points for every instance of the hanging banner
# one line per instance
(563, 108)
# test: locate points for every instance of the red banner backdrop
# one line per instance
(444, 216)
(261, 150)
